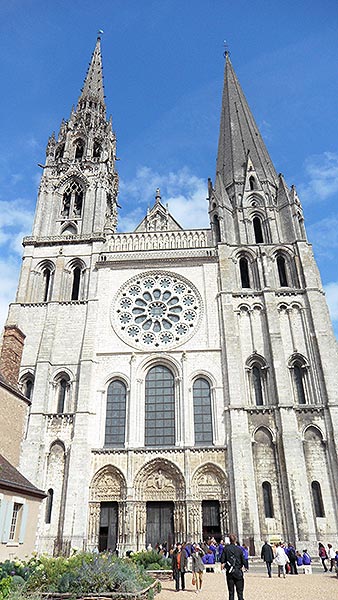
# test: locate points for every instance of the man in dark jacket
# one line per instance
(267, 556)
(179, 563)
(232, 560)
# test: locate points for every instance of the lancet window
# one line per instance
(79, 149)
(257, 375)
(267, 500)
(116, 414)
(159, 407)
(202, 412)
(72, 200)
(317, 499)
(258, 231)
(49, 506)
(244, 271)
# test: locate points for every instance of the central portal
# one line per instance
(108, 526)
(211, 520)
(160, 523)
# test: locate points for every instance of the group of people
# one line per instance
(286, 557)
(330, 554)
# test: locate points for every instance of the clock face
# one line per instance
(156, 310)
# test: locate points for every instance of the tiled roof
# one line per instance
(11, 479)
(12, 388)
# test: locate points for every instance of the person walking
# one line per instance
(331, 556)
(281, 559)
(179, 563)
(232, 562)
(322, 555)
(291, 552)
(197, 567)
(267, 556)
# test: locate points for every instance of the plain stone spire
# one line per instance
(239, 135)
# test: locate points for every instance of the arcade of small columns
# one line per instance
(159, 480)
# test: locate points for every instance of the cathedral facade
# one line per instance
(183, 382)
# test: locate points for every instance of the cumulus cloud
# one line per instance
(324, 236)
(184, 192)
(322, 177)
(331, 290)
(16, 221)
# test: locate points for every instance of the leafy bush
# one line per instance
(81, 574)
(149, 559)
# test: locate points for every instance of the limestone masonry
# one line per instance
(183, 382)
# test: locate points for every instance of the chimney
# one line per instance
(11, 353)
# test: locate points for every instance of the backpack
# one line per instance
(232, 568)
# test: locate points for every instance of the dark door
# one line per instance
(160, 523)
(108, 526)
(210, 520)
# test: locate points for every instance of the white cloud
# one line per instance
(322, 177)
(331, 290)
(324, 236)
(16, 221)
(184, 192)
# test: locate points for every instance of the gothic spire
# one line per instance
(93, 84)
(239, 136)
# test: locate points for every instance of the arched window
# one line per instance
(317, 499)
(267, 499)
(281, 266)
(244, 270)
(28, 386)
(252, 183)
(298, 373)
(217, 229)
(49, 506)
(47, 276)
(96, 149)
(72, 200)
(76, 283)
(59, 151)
(202, 413)
(257, 225)
(116, 414)
(62, 392)
(79, 149)
(159, 407)
(257, 385)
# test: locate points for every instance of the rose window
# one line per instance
(158, 310)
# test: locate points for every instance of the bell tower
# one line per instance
(79, 185)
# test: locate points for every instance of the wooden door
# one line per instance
(108, 526)
(160, 523)
(211, 520)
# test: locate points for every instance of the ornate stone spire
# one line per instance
(239, 136)
(93, 85)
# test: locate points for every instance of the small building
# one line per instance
(20, 500)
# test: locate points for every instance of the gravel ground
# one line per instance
(318, 586)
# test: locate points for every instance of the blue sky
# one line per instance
(163, 66)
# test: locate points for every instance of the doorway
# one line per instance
(108, 526)
(160, 523)
(210, 520)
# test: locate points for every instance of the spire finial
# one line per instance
(158, 195)
(99, 33)
(226, 52)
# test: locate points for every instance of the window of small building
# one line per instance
(15, 522)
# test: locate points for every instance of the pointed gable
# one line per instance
(158, 218)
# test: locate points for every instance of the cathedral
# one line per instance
(183, 382)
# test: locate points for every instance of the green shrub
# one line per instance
(146, 559)
(5, 586)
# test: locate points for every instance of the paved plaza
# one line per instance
(258, 586)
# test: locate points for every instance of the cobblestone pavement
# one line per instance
(318, 586)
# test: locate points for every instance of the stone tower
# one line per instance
(183, 382)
